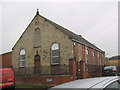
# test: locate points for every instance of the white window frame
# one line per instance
(55, 56)
(22, 52)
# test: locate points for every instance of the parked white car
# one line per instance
(110, 71)
(99, 83)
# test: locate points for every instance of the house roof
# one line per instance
(6, 53)
(73, 36)
(115, 57)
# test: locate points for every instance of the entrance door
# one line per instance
(37, 63)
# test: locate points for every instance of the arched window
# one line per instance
(87, 56)
(55, 57)
(22, 58)
(37, 37)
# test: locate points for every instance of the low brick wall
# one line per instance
(45, 79)
(91, 75)
(94, 71)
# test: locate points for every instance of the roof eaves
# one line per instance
(6, 53)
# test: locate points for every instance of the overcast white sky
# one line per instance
(95, 21)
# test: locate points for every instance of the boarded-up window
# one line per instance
(37, 37)
(55, 59)
(22, 58)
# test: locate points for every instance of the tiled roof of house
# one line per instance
(73, 36)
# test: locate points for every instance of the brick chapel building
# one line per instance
(48, 53)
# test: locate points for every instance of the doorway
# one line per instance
(37, 63)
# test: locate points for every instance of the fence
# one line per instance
(42, 71)
(54, 70)
(93, 68)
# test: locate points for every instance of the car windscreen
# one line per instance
(110, 67)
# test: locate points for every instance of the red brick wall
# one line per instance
(90, 56)
(96, 58)
(83, 54)
(77, 58)
(103, 59)
(72, 66)
(6, 59)
(75, 51)
(43, 79)
(83, 73)
(90, 75)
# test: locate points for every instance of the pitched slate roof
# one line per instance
(72, 35)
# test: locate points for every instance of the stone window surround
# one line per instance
(36, 37)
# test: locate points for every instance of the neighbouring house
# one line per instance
(114, 61)
(48, 53)
(6, 60)
(106, 61)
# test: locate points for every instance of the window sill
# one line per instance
(36, 46)
(21, 67)
(55, 64)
